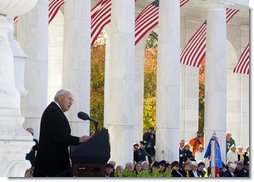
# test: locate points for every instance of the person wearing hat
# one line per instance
(194, 169)
(109, 170)
(140, 154)
(196, 141)
(163, 166)
(175, 169)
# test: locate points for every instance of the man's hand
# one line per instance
(83, 138)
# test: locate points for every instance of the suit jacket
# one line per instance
(174, 173)
(55, 137)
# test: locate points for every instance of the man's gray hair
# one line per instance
(61, 92)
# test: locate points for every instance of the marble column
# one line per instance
(76, 60)
(20, 59)
(121, 81)
(216, 75)
(15, 142)
(32, 34)
(189, 85)
(189, 102)
(106, 77)
(244, 131)
(139, 90)
(168, 81)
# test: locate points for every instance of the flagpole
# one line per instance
(213, 155)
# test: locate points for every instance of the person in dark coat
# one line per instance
(52, 158)
(140, 154)
(31, 155)
(187, 154)
(149, 138)
(181, 152)
(175, 169)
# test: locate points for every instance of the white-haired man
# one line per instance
(55, 137)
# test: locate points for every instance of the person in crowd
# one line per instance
(135, 147)
(145, 169)
(163, 166)
(239, 171)
(128, 170)
(109, 170)
(137, 169)
(140, 154)
(31, 155)
(187, 154)
(52, 159)
(186, 171)
(113, 163)
(199, 155)
(175, 169)
(201, 169)
(246, 167)
(119, 171)
(246, 155)
(155, 166)
(229, 141)
(232, 155)
(231, 170)
(223, 170)
(149, 138)
(196, 141)
(29, 173)
(181, 146)
(240, 153)
(194, 169)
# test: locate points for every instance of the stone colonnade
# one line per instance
(124, 74)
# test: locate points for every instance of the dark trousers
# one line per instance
(151, 154)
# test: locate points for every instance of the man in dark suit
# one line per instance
(55, 137)
(149, 138)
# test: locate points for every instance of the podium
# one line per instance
(90, 158)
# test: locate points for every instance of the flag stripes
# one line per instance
(244, 62)
(148, 19)
(100, 17)
(195, 50)
(54, 6)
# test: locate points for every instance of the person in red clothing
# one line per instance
(195, 142)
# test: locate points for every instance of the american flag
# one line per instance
(100, 17)
(54, 6)
(194, 51)
(244, 62)
(148, 19)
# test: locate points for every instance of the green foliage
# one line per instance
(97, 84)
(149, 112)
(201, 114)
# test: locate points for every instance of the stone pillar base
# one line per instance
(15, 143)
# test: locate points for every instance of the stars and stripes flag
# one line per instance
(148, 19)
(244, 62)
(54, 6)
(194, 51)
(100, 17)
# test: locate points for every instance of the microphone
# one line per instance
(84, 116)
